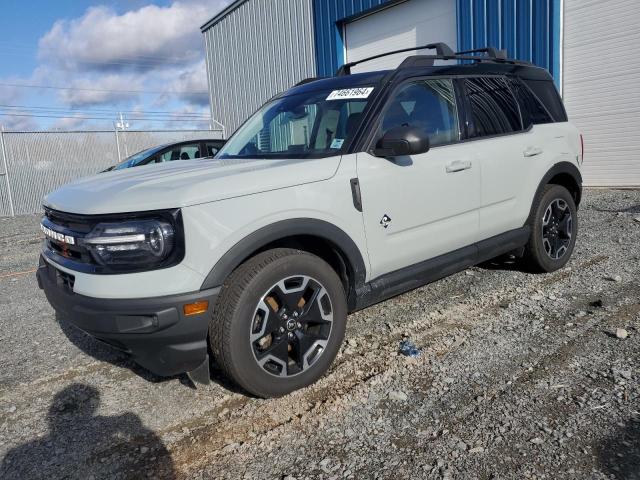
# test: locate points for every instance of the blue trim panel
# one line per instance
(555, 46)
(329, 17)
(527, 29)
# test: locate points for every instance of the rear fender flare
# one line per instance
(558, 168)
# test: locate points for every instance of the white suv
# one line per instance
(337, 194)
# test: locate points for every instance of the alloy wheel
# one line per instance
(557, 229)
(291, 326)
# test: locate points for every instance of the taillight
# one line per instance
(581, 149)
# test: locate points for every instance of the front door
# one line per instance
(419, 207)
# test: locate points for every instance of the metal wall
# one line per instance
(527, 29)
(329, 16)
(39, 162)
(257, 49)
(601, 93)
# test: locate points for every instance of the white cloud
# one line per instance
(18, 123)
(100, 90)
(70, 123)
(10, 95)
(189, 84)
(104, 54)
(145, 39)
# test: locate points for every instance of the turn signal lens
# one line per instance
(195, 308)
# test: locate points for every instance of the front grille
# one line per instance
(81, 224)
(73, 255)
(66, 279)
(63, 279)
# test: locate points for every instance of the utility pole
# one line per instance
(122, 125)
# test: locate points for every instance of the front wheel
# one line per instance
(279, 322)
(554, 227)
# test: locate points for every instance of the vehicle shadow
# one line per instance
(82, 444)
(619, 454)
(504, 262)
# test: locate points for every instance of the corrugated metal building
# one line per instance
(257, 48)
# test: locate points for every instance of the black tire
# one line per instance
(251, 297)
(539, 252)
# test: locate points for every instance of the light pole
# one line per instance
(122, 125)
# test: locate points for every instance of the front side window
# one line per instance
(307, 125)
(426, 104)
(493, 108)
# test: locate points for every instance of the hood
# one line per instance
(184, 183)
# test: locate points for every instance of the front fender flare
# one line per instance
(282, 230)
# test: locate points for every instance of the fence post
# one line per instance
(3, 150)
(115, 129)
(124, 143)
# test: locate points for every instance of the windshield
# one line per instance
(136, 158)
(306, 125)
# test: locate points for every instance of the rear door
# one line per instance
(421, 206)
(503, 151)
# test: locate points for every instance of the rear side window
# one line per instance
(533, 112)
(180, 152)
(546, 92)
(494, 110)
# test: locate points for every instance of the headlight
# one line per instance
(136, 243)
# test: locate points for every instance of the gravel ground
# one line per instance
(520, 376)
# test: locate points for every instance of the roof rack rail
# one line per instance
(442, 49)
(443, 52)
(490, 51)
(307, 80)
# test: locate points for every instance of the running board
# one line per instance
(408, 278)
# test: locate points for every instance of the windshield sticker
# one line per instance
(337, 143)
(348, 93)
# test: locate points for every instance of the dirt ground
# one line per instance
(520, 376)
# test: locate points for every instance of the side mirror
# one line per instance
(399, 141)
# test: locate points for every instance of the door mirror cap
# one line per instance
(400, 141)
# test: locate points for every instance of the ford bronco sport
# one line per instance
(338, 193)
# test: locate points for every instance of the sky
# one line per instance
(78, 64)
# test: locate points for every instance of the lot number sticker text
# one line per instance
(348, 93)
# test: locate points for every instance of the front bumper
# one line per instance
(154, 331)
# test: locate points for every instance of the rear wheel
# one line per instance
(279, 322)
(554, 226)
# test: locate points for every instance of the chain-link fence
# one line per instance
(34, 163)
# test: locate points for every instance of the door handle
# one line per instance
(532, 151)
(458, 166)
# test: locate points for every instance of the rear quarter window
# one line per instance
(546, 92)
(494, 109)
(532, 110)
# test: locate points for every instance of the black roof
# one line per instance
(333, 83)
(480, 61)
(524, 71)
